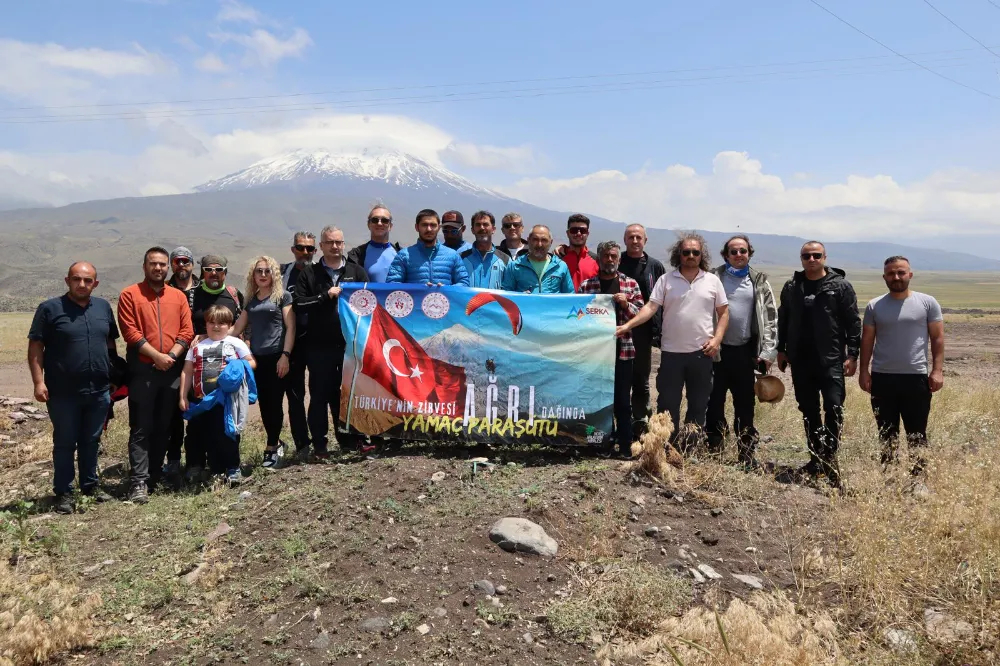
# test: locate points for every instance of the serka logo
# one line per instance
(576, 313)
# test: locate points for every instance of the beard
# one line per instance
(898, 286)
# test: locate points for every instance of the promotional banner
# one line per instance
(459, 364)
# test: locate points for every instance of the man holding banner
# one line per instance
(538, 271)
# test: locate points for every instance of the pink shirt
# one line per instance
(688, 309)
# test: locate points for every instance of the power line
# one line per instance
(908, 59)
(993, 3)
(963, 30)
(439, 99)
(469, 84)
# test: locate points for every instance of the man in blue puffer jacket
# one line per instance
(428, 261)
(538, 271)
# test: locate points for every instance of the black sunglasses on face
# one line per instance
(511, 225)
(578, 231)
(182, 262)
(811, 255)
(305, 248)
(379, 220)
(691, 253)
(737, 250)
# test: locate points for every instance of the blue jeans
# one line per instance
(77, 424)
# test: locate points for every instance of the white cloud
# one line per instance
(232, 11)
(513, 159)
(262, 47)
(51, 72)
(211, 63)
(738, 194)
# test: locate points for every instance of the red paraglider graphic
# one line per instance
(479, 300)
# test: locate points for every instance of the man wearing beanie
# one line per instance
(183, 277)
(213, 290)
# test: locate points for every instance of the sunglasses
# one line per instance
(511, 225)
(182, 262)
(305, 248)
(737, 250)
(213, 269)
(811, 255)
(262, 271)
(379, 220)
(691, 253)
(578, 231)
(452, 230)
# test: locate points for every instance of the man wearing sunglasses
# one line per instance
(213, 290)
(182, 273)
(749, 342)
(581, 262)
(377, 254)
(453, 230)
(512, 226)
(819, 335)
(183, 278)
(304, 251)
(695, 316)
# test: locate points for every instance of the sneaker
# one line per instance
(98, 495)
(137, 494)
(273, 458)
(64, 504)
(194, 475)
(172, 475)
(234, 477)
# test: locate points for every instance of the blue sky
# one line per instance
(745, 110)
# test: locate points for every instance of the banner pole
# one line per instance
(357, 369)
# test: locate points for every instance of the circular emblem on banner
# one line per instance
(435, 305)
(363, 302)
(399, 304)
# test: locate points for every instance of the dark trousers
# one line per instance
(643, 341)
(813, 380)
(895, 397)
(176, 442)
(734, 373)
(209, 445)
(623, 404)
(270, 396)
(325, 369)
(690, 372)
(295, 389)
(152, 401)
(77, 424)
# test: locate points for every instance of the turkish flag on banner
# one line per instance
(398, 362)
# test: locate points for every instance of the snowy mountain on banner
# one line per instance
(389, 167)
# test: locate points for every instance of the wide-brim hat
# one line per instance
(769, 388)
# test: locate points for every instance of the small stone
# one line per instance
(679, 499)
(750, 581)
(942, 628)
(698, 578)
(500, 589)
(424, 629)
(438, 477)
(245, 495)
(686, 553)
(750, 549)
(18, 417)
(416, 541)
(31, 409)
(639, 500)
(421, 498)
(325, 566)
(481, 623)
(192, 576)
(321, 642)
(221, 530)
(709, 539)
(633, 517)
(528, 638)
(521, 535)
(551, 578)
(901, 641)
(129, 617)
(314, 616)
(440, 611)
(767, 439)
(496, 602)
(716, 513)
(271, 623)
(596, 638)
(375, 625)
(484, 586)
(390, 600)
(709, 572)
(652, 531)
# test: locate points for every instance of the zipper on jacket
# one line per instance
(159, 322)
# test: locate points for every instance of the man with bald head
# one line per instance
(538, 271)
(70, 347)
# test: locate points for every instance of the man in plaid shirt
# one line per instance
(628, 301)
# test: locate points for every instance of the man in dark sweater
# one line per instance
(304, 250)
(317, 293)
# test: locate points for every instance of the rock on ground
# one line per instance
(522, 535)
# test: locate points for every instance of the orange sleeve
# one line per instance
(186, 334)
(128, 319)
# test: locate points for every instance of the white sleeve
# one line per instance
(720, 293)
(190, 353)
(659, 291)
(242, 351)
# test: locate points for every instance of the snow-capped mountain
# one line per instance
(373, 165)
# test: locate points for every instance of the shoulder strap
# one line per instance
(236, 299)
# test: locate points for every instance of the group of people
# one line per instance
(198, 348)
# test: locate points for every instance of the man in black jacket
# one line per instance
(645, 270)
(303, 249)
(317, 293)
(819, 335)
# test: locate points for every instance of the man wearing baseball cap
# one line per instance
(213, 290)
(453, 228)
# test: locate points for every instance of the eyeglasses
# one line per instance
(332, 242)
(691, 253)
(511, 225)
(578, 231)
(182, 262)
(380, 220)
(212, 269)
(262, 271)
(304, 248)
(811, 255)
(737, 250)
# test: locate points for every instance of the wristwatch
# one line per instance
(286, 353)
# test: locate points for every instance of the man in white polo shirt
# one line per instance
(695, 316)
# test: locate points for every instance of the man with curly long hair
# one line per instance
(695, 316)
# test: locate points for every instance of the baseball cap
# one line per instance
(459, 221)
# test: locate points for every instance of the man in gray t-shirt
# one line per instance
(898, 328)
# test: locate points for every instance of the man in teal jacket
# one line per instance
(485, 262)
(428, 261)
(538, 271)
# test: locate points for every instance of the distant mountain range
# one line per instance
(256, 211)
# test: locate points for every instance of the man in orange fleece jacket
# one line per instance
(155, 321)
